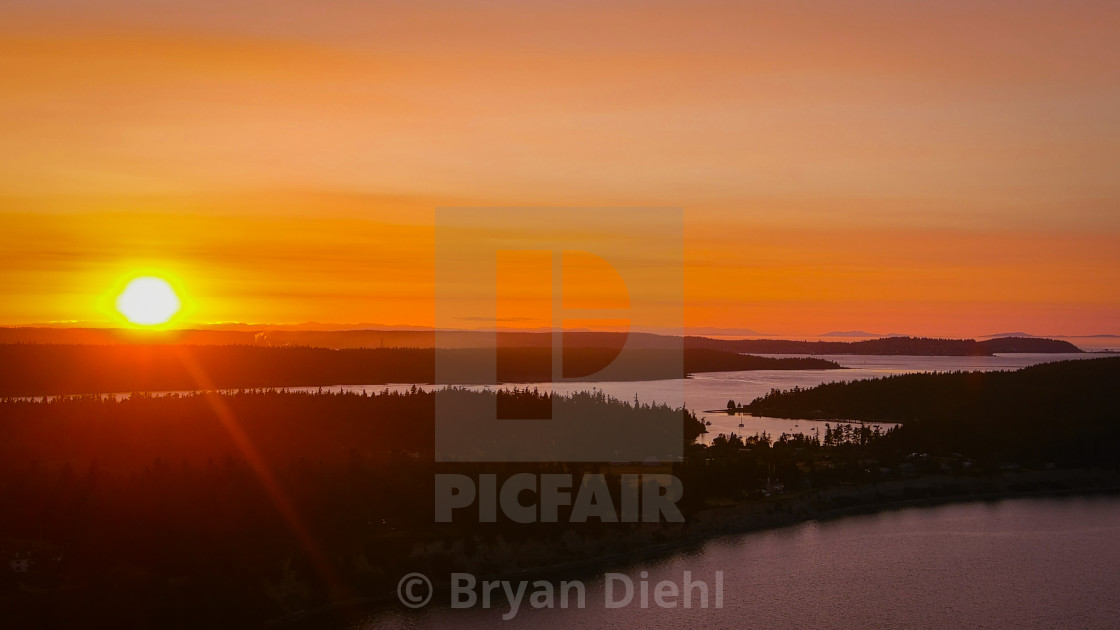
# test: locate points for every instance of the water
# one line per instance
(710, 391)
(1038, 563)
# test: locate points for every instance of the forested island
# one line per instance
(44, 369)
(1066, 412)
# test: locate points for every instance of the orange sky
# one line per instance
(931, 168)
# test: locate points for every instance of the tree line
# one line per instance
(40, 369)
(1065, 412)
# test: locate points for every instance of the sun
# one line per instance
(148, 301)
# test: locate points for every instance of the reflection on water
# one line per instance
(1020, 563)
(710, 391)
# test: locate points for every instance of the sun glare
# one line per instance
(148, 301)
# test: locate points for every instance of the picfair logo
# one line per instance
(563, 271)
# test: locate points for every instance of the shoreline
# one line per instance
(713, 523)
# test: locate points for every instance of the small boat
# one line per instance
(740, 425)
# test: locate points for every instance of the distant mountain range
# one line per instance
(727, 332)
(899, 346)
(859, 333)
(1028, 335)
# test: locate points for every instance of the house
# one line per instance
(21, 562)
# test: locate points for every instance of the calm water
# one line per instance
(1027, 563)
(712, 390)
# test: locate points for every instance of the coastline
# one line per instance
(712, 523)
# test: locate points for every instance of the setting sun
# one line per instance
(148, 301)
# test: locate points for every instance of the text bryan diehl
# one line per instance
(619, 591)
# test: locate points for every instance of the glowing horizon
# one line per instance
(868, 167)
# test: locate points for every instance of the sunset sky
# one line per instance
(945, 168)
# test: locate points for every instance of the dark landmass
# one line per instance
(1066, 412)
(1028, 345)
(908, 346)
(235, 509)
(1023, 334)
(720, 361)
(44, 369)
(241, 508)
(125, 435)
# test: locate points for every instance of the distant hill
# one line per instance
(727, 332)
(859, 333)
(907, 346)
(1012, 345)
